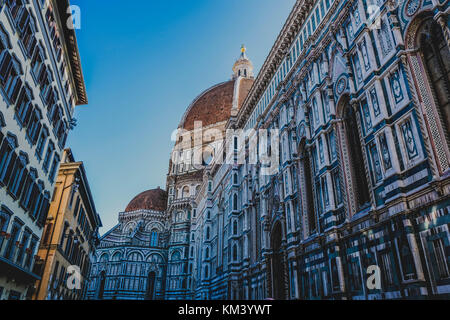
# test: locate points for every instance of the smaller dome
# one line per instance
(155, 199)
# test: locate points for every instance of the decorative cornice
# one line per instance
(277, 53)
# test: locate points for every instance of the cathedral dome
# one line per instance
(214, 105)
(155, 199)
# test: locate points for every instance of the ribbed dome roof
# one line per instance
(214, 105)
(155, 199)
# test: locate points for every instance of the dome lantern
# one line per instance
(243, 67)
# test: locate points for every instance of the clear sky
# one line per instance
(144, 61)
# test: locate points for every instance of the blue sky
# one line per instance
(144, 61)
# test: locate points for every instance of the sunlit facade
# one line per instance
(70, 235)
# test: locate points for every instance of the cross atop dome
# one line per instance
(243, 50)
(243, 67)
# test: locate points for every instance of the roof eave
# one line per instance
(71, 49)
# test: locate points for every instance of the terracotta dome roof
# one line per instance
(214, 105)
(155, 199)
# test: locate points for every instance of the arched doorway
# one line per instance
(278, 272)
(101, 288)
(150, 294)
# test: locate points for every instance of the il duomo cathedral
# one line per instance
(359, 93)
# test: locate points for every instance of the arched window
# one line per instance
(235, 178)
(316, 112)
(208, 155)
(207, 253)
(154, 258)
(311, 121)
(235, 252)
(116, 257)
(235, 202)
(154, 238)
(186, 192)
(356, 157)
(206, 272)
(135, 257)
(436, 59)
(207, 233)
(235, 227)
(310, 206)
(176, 256)
(208, 214)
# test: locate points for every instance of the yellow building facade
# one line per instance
(71, 232)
